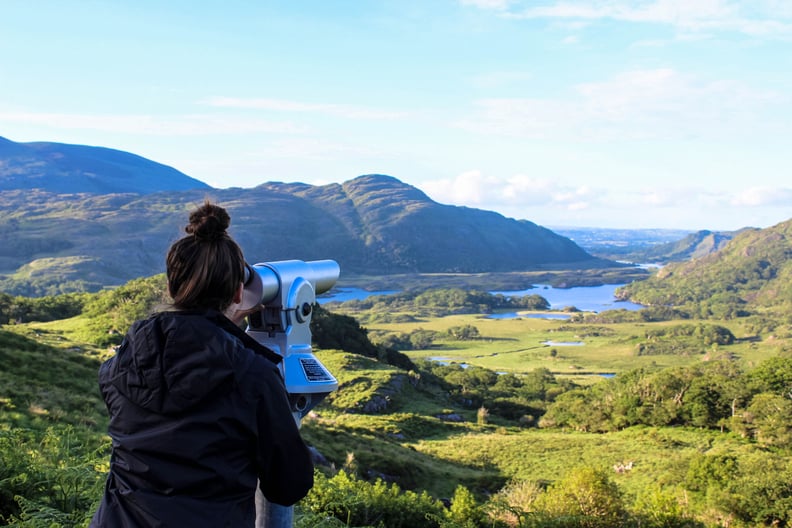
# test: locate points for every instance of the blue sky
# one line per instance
(627, 114)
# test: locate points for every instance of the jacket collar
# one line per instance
(226, 324)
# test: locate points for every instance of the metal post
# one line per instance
(271, 515)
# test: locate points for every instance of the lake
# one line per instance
(350, 294)
(585, 298)
(538, 315)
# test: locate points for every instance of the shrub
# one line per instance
(359, 503)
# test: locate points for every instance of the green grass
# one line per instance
(41, 384)
(518, 345)
(659, 455)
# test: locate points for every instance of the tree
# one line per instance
(589, 495)
(767, 419)
(773, 375)
(464, 332)
(421, 339)
(464, 511)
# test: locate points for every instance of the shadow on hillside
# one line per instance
(394, 454)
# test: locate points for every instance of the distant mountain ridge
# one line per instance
(693, 246)
(63, 231)
(64, 168)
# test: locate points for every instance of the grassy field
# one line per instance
(656, 456)
(581, 351)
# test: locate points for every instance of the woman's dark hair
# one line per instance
(206, 267)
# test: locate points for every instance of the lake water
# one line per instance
(350, 294)
(585, 298)
(539, 315)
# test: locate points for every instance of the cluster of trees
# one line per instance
(442, 302)
(684, 339)
(16, 309)
(730, 492)
(422, 339)
(343, 332)
(112, 312)
(650, 314)
(512, 399)
(715, 395)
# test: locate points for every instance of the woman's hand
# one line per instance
(237, 316)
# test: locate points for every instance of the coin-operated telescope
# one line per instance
(288, 290)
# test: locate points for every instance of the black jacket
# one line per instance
(198, 412)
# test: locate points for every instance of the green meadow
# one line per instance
(577, 350)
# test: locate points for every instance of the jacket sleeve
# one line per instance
(284, 461)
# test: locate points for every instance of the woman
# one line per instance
(198, 409)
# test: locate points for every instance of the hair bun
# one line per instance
(208, 222)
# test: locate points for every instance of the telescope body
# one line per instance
(288, 293)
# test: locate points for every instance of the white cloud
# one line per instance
(758, 18)
(672, 197)
(529, 118)
(468, 188)
(553, 202)
(763, 196)
(641, 104)
(284, 105)
(475, 189)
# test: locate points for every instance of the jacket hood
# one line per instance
(173, 361)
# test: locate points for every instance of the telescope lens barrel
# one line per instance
(322, 274)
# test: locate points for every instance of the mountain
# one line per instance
(646, 245)
(402, 229)
(753, 271)
(692, 246)
(372, 225)
(62, 168)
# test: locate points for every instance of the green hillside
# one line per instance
(693, 246)
(751, 275)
